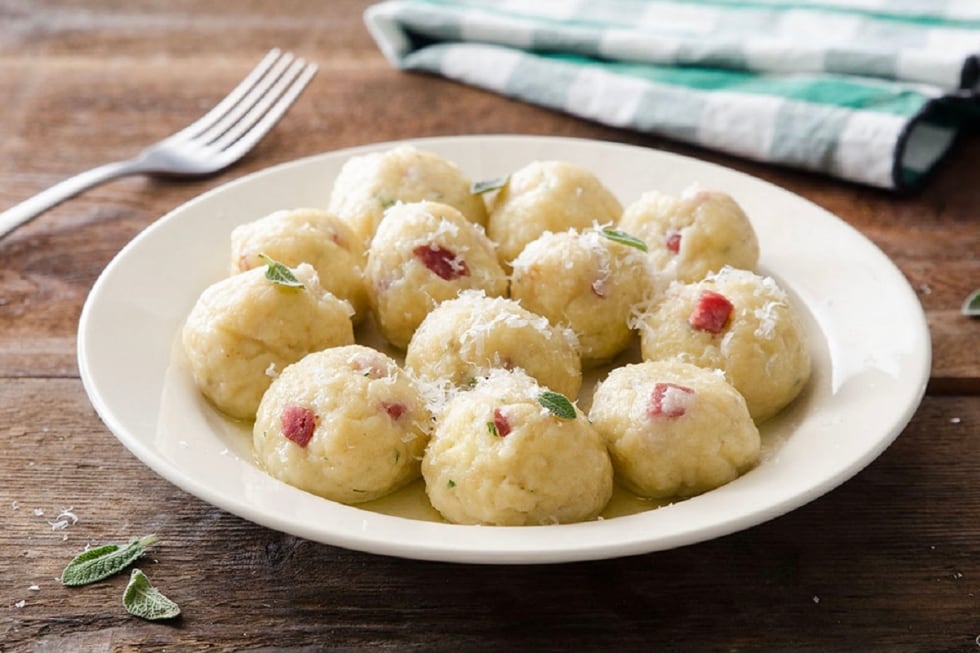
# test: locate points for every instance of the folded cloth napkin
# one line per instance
(874, 91)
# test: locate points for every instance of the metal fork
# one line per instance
(213, 142)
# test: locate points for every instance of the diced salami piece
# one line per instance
(501, 423)
(669, 400)
(394, 409)
(442, 262)
(711, 313)
(298, 424)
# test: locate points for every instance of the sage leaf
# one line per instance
(971, 307)
(278, 273)
(624, 238)
(480, 187)
(104, 561)
(557, 404)
(143, 600)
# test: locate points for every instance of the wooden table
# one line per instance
(888, 561)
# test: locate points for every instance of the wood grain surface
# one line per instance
(889, 561)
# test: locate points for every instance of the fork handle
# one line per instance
(46, 199)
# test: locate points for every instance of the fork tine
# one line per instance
(254, 96)
(238, 148)
(260, 107)
(207, 120)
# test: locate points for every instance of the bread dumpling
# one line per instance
(499, 456)
(246, 328)
(739, 322)
(695, 234)
(313, 236)
(547, 196)
(587, 282)
(369, 184)
(463, 339)
(673, 429)
(425, 253)
(345, 423)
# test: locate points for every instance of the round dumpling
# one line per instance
(547, 196)
(425, 253)
(692, 235)
(674, 429)
(309, 236)
(738, 322)
(499, 456)
(462, 339)
(245, 328)
(369, 184)
(345, 423)
(586, 281)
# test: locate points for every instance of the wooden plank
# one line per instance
(888, 561)
(891, 558)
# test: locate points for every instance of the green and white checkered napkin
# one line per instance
(874, 91)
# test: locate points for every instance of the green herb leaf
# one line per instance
(278, 273)
(104, 561)
(557, 403)
(971, 307)
(480, 187)
(492, 428)
(451, 483)
(624, 238)
(145, 601)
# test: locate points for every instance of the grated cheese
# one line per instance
(676, 400)
(767, 318)
(64, 519)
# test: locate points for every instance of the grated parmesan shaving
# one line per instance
(657, 294)
(530, 253)
(436, 393)
(767, 317)
(64, 519)
(676, 401)
(494, 313)
(444, 227)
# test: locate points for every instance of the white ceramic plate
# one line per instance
(868, 336)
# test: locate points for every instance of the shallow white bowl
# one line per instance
(868, 338)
